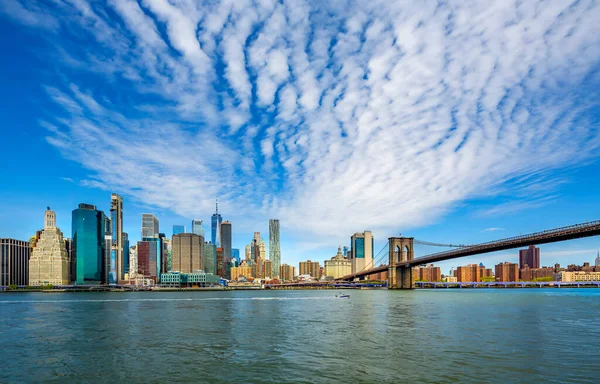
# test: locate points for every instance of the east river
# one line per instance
(421, 336)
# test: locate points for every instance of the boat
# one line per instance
(344, 296)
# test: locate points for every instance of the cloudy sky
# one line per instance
(453, 121)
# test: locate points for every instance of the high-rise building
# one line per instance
(125, 253)
(88, 231)
(597, 264)
(187, 252)
(468, 273)
(14, 262)
(197, 228)
(362, 245)
(133, 262)
(266, 269)
(210, 258)
(147, 258)
(149, 226)
(226, 245)
(287, 272)
(274, 246)
(338, 265)
(507, 272)
(221, 267)
(215, 226)
(49, 262)
(72, 261)
(235, 254)
(311, 268)
(177, 229)
(429, 273)
(117, 264)
(529, 257)
(248, 252)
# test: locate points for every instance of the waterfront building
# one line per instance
(450, 279)
(106, 252)
(430, 273)
(187, 252)
(338, 265)
(117, 264)
(597, 264)
(287, 272)
(210, 258)
(88, 228)
(14, 262)
(133, 262)
(168, 255)
(149, 226)
(235, 254)
(72, 261)
(507, 272)
(274, 246)
(247, 252)
(197, 228)
(177, 229)
(226, 245)
(530, 274)
(215, 226)
(147, 256)
(221, 268)
(195, 279)
(529, 257)
(241, 271)
(125, 253)
(267, 269)
(566, 276)
(468, 273)
(311, 268)
(362, 245)
(49, 262)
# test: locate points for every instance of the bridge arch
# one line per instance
(401, 251)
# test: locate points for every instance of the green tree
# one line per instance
(12, 287)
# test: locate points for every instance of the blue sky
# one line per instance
(439, 120)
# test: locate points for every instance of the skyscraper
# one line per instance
(117, 264)
(149, 226)
(529, 257)
(361, 255)
(87, 234)
(274, 248)
(197, 228)
(14, 262)
(187, 252)
(235, 254)
(210, 258)
(177, 229)
(226, 245)
(597, 264)
(125, 253)
(49, 262)
(216, 221)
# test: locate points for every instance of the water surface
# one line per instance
(425, 336)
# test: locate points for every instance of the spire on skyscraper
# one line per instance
(217, 205)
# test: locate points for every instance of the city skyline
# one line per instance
(327, 132)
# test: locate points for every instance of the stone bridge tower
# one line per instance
(400, 273)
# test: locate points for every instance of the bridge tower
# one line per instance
(399, 273)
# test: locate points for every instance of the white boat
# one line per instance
(340, 296)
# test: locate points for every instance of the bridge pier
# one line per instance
(401, 278)
(401, 252)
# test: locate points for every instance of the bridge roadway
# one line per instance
(549, 236)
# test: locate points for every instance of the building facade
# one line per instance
(197, 228)
(338, 266)
(210, 258)
(430, 273)
(88, 245)
(196, 279)
(311, 268)
(215, 227)
(274, 246)
(361, 256)
(49, 262)
(117, 263)
(187, 253)
(287, 273)
(226, 245)
(468, 273)
(177, 229)
(529, 257)
(14, 262)
(150, 227)
(567, 276)
(507, 272)
(241, 271)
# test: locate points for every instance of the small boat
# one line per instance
(340, 296)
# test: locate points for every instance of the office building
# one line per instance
(197, 228)
(72, 261)
(287, 273)
(226, 245)
(507, 272)
(117, 264)
(215, 227)
(133, 262)
(337, 266)
(248, 252)
(210, 258)
(147, 256)
(88, 228)
(221, 267)
(196, 279)
(177, 229)
(235, 255)
(14, 262)
(311, 268)
(149, 226)
(529, 257)
(187, 252)
(125, 253)
(274, 246)
(362, 245)
(49, 262)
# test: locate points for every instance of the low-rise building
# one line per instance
(429, 273)
(338, 266)
(192, 279)
(241, 271)
(567, 276)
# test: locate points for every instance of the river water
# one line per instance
(421, 336)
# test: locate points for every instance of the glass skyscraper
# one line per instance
(216, 221)
(117, 264)
(177, 229)
(235, 254)
(226, 245)
(88, 228)
(274, 246)
(210, 258)
(126, 262)
(149, 226)
(197, 228)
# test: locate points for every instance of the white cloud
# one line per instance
(374, 115)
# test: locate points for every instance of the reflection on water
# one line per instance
(520, 335)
